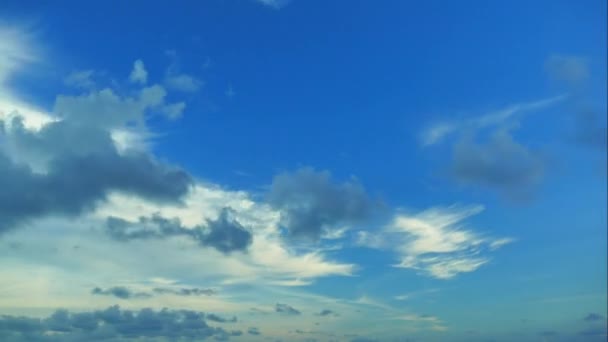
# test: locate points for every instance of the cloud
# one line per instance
(75, 182)
(174, 111)
(183, 82)
(253, 331)
(439, 131)
(276, 4)
(571, 69)
(139, 73)
(501, 164)
(286, 309)
(120, 292)
(112, 323)
(593, 317)
(591, 129)
(218, 319)
(177, 80)
(326, 312)
(185, 291)
(435, 241)
(80, 79)
(311, 205)
(224, 233)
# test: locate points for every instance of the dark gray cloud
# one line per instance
(500, 164)
(310, 203)
(286, 309)
(120, 292)
(326, 312)
(254, 331)
(112, 324)
(82, 165)
(593, 317)
(219, 319)
(185, 291)
(225, 233)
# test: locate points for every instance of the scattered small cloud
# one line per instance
(185, 291)
(219, 319)
(254, 331)
(571, 69)
(593, 317)
(80, 79)
(139, 73)
(120, 292)
(286, 309)
(327, 312)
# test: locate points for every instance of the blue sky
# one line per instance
(303, 170)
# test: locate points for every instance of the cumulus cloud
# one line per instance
(435, 241)
(225, 233)
(286, 309)
(75, 182)
(139, 73)
(501, 164)
(120, 292)
(311, 205)
(485, 153)
(112, 323)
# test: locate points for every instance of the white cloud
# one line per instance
(139, 73)
(436, 133)
(183, 82)
(269, 259)
(80, 79)
(174, 110)
(435, 241)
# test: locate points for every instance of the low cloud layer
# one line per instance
(112, 324)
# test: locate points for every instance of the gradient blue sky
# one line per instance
(320, 170)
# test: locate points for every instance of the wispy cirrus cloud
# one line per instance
(436, 133)
(435, 241)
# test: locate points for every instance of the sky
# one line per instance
(304, 170)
